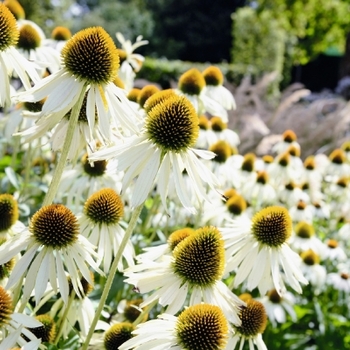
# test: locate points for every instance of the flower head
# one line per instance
(195, 267)
(100, 223)
(164, 150)
(8, 28)
(11, 324)
(198, 327)
(51, 243)
(254, 320)
(47, 331)
(91, 56)
(272, 226)
(172, 124)
(117, 335)
(8, 211)
(259, 252)
(60, 33)
(199, 259)
(195, 319)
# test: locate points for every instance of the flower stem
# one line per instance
(72, 124)
(145, 311)
(133, 221)
(64, 317)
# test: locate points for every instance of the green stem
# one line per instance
(146, 310)
(72, 124)
(64, 317)
(133, 221)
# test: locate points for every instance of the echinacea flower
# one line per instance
(198, 327)
(47, 331)
(254, 320)
(163, 151)
(100, 224)
(51, 243)
(215, 89)
(288, 138)
(304, 237)
(131, 62)
(192, 85)
(315, 273)
(194, 270)
(31, 45)
(222, 132)
(279, 306)
(117, 335)
(81, 181)
(90, 64)
(9, 214)
(10, 59)
(258, 251)
(14, 324)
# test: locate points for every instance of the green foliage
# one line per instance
(313, 25)
(259, 41)
(130, 18)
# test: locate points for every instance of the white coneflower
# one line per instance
(90, 64)
(206, 136)
(304, 238)
(281, 171)
(194, 269)
(239, 169)
(315, 273)
(340, 280)
(51, 243)
(100, 223)
(9, 215)
(84, 136)
(156, 253)
(47, 331)
(117, 335)
(321, 210)
(31, 45)
(279, 306)
(290, 194)
(10, 59)
(258, 251)
(301, 211)
(259, 192)
(334, 252)
(131, 62)
(129, 311)
(59, 37)
(12, 324)
(163, 151)
(88, 179)
(200, 326)
(192, 85)
(337, 165)
(289, 138)
(221, 132)
(215, 89)
(253, 323)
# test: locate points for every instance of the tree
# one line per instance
(192, 30)
(130, 17)
(312, 26)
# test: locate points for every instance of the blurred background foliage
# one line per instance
(258, 35)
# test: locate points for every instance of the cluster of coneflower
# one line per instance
(128, 218)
